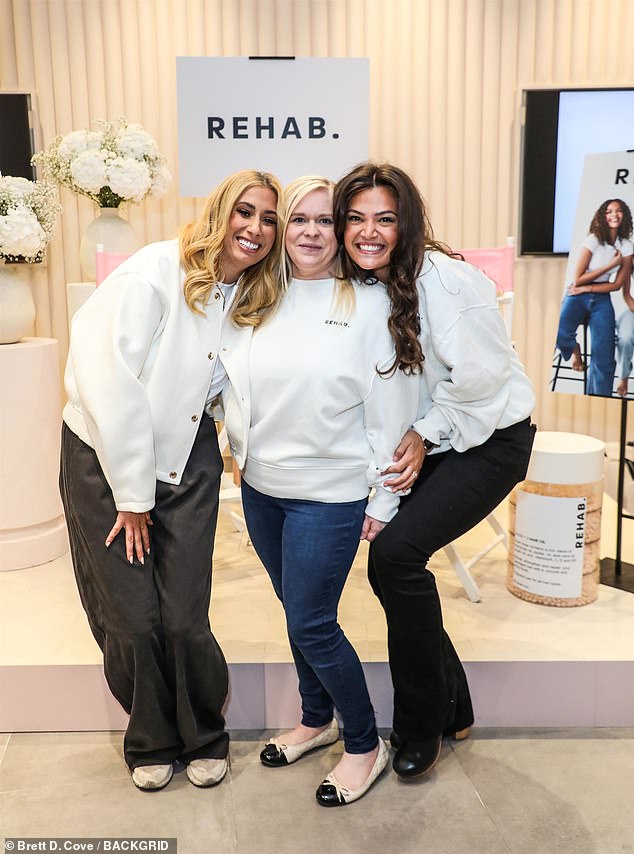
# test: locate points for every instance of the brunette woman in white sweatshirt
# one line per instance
(470, 442)
(314, 411)
(140, 470)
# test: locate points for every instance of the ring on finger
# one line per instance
(414, 475)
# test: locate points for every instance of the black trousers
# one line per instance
(453, 493)
(161, 661)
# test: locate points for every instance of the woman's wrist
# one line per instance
(413, 430)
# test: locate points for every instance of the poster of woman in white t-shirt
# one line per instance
(603, 264)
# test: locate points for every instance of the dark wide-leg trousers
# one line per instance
(454, 492)
(161, 661)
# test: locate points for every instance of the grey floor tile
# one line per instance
(39, 760)
(440, 814)
(556, 794)
(200, 819)
(500, 792)
(76, 784)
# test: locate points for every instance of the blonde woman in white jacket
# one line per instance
(314, 410)
(140, 450)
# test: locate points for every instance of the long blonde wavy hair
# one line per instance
(344, 300)
(201, 245)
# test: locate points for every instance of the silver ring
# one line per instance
(414, 474)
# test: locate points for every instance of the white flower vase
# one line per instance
(114, 233)
(17, 309)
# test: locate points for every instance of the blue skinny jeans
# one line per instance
(598, 312)
(307, 548)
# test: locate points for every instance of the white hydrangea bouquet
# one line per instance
(117, 163)
(28, 211)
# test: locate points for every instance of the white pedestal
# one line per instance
(32, 527)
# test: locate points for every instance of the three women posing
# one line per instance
(376, 330)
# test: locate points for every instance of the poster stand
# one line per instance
(614, 571)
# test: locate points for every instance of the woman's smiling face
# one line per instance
(310, 237)
(371, 231)
(614, 215)
(250, 233)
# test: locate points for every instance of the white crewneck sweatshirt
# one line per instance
(323, 423)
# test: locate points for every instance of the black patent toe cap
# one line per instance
(273, 756)
(328, 796)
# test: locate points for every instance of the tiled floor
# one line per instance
(560, 791)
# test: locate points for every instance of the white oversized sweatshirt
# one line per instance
(322, 423)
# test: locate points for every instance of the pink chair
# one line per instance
(106, 262)
(498, 264)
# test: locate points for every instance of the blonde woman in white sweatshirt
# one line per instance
(314, 412)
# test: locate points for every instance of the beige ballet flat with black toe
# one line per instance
(275, 754)
(331, 793)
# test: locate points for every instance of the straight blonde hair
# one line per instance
(201, 244)
(344, 298)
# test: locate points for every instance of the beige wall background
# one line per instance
(446, 81)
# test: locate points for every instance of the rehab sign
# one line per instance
(286, 116)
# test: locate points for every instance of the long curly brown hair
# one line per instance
(415, 235)
(600, 228)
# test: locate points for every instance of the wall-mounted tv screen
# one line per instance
(17, 144)
(559, 127)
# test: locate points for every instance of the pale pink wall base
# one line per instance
(264, 696)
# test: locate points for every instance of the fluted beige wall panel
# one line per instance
(446, 79)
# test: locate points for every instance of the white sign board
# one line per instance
(291, 117)
(549, 545)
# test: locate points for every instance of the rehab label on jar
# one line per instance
(549, 545)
